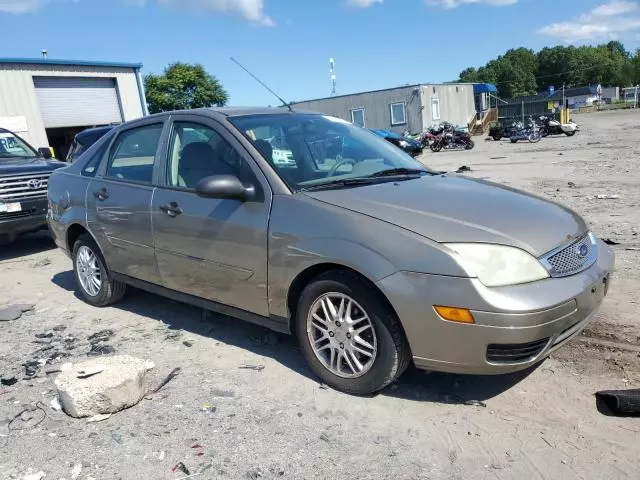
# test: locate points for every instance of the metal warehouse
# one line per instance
(48, 101)
(413, 108)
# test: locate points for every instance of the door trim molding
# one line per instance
(273, 322)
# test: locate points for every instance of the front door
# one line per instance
(211, 248)
(119, 202)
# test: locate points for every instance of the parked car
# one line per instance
(372, 263)
(412, 147)
(83, 140)
(24, 173)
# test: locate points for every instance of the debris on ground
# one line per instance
(475, 403)
(571, 185)
(254, 474)
(173, 374)
(30, 417)
(121, 384)
(99, 418)
(207, 407)
(182, 468)
(252, 367)
(199, 450)
(55, 404)
(7, 381)
(14, 312)
(98, 345)
(187, 343)
(90, 371)
(608, 241)
(463, 169)
(607, 197)
(42, 263)
(621, 402)
(99, 349)
(173, 335)
(76, 471)
(324, 437)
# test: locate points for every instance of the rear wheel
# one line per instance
(351, 339)
(469, 145)
(497, 137)
(514, 140)
(95, 282)
(570, 134)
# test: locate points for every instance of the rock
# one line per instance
(120, 385)
(14, 312)
(98, 418)
(55, 404)
(7, 381)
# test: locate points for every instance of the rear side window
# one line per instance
(90, 159)
(133, 154)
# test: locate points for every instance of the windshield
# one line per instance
(12, 146)
(310, 150)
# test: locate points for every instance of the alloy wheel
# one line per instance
(342, 335)
(88, 270)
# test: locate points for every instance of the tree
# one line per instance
(183, 86)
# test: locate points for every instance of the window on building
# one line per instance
(398, 114)
(435, 109)
(357, 117)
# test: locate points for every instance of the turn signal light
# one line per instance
(454, 314)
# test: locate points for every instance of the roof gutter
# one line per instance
(141, 94)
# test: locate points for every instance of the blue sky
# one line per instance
(288, 43)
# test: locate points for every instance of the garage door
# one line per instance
(75, 102)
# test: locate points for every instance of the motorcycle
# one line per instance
(448, 137)
(531, 132)
(551, 126)
(499, 131)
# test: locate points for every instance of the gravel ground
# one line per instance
(279, 422)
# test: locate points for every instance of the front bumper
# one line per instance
(516, 326)
(32, 217)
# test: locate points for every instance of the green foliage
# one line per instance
(523, 72)
(183, 86)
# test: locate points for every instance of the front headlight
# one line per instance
(403, 143)
(499, 265)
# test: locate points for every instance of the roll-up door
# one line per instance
(74, 102)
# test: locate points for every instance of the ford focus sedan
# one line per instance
(372, 260)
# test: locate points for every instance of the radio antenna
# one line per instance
(262, 83)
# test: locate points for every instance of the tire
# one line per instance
(436, 146)
(110, 290)
(570, 134)
(497, 137)
(534, 137)
(514, 140)
(545, 133)
(392, 354)
(469, 145)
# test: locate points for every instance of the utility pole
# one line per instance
(562, 112)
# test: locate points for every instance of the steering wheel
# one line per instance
(335, 168)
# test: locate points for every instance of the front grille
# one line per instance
(18, 187)
(14, 215)
(515, 352)
(573, 258)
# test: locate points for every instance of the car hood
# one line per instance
(28, 165)
(451, 208)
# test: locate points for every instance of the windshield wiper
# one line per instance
(397, 172)
(345, 182)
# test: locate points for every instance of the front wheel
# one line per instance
(514, 139)
(94, 281)
(496, 137)
(534, 137)
(352, 340)
(436, 146)
(469, 145)
(570, 134)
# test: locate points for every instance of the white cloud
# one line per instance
(608, 21)
(457, 3)
(252, 10)
(363, 3)
(21, 6)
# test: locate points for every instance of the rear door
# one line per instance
(119, 201)
(211, 248)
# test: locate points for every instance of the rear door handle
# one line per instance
(101, 194)
(172, 209)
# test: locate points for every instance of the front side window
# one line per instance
(357, 117)
(398, 114)
(133, 154)
(323, 150)
(197, 151)
(12, 147)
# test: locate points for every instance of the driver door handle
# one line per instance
(172, 209)
(101, 194)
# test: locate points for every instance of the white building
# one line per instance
(48, 101)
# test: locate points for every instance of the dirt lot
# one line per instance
(279, 422)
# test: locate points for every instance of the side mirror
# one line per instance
(224, 186)
(45, 152)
